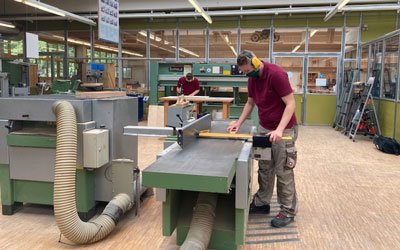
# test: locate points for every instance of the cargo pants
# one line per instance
(283, 160)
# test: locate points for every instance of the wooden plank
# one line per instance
(156, 116)
(99, 94)
(91, 84)
(199, 99)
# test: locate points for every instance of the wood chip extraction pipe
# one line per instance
(199, 235)
(65, 210)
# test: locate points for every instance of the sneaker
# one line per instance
(264, 209)
(281, 220)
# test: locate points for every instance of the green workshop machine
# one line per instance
(204, 179)
(70, 153)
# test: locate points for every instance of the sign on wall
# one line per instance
(32, 45)
(109, 20)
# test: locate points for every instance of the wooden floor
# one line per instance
(349, 196)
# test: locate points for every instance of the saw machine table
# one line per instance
(205, 165)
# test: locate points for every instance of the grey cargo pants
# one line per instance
(283, 160)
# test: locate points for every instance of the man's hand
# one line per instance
(275, 135)
(233, 127)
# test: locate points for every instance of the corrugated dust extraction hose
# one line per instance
(201, 226)
(65, 211)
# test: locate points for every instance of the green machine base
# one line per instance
(14, 193)
(229, 224)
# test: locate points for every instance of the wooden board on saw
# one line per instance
(156, 116)
(99, 94)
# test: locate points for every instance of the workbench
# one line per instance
(198, 100)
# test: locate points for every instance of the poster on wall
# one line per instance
(109, 20)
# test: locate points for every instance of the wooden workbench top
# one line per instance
(199, 99)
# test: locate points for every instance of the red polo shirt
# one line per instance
(188, 87)
(267, 91)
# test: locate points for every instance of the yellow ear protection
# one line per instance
(255, 62)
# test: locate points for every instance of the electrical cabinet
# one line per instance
(95, 148)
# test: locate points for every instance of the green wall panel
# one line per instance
(134, 24)
(298, 98)
(225, 23)
(353, 19)
(379, 23)
(165, 23)
(287, 21)
(254, 22)
(190, 23)
(318, 21)
(320, 109)
(386, 117)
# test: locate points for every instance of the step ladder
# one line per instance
(364, 120)
(343, 106)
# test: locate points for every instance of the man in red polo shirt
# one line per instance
(188, 85)
(269, 89)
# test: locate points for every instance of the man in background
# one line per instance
(188, 85)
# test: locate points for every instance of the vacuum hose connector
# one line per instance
(65, 210)
(201, 226)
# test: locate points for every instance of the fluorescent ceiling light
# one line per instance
(296, 48)
(153, 37)
(342, 3)
(335, 10)
(233, 50)
(200, 9)
(7, 24)
(225, 38)
(186, 51)
(80, 42)
(56, 11)
(159, 47)
(43, 6)
(313, 33)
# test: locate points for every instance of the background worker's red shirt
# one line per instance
(188, 87)
(267, 91)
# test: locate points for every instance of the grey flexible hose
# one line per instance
(65, 210)
(201, 226)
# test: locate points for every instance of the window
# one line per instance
(351, 42)
(134, 43)
(223, 43)
(289, 40)
(162, 43)
(376, 67)
(17, 48)
(192, 43)
(256, 40)
(364, 63)
(324, 40)
(390, 72)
